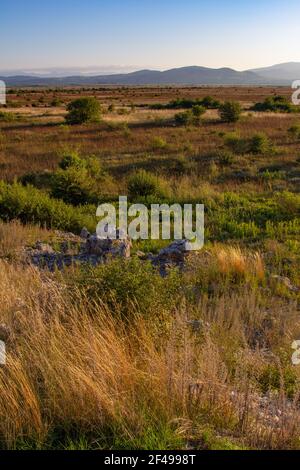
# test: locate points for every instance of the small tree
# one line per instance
(83, 110)
(230, 111)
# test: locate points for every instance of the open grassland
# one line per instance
(116, 356)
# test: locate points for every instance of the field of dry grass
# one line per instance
(127, 136)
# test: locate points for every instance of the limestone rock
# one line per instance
(286, 282)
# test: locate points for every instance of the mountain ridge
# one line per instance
(278, 74)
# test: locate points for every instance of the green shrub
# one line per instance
(31, 205)
(144, 184)
(73, 186)
(275, 104)
(77, 180)
(158, 143)
(225, 157)
(289, 203)
(235, 143)
(210, 103)
(83, 110)
(260, 144)
(38, 180)
(198, 110)
(56, 102)
(184, 119)
(130, 283)
(190, 117)
(72, 160)
(294, 131)
(230, 111)
(186, 103)
(274, 378)
(7, 116)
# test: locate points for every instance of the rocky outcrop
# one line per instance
(173, 255)
(121, 246)
(73, 250)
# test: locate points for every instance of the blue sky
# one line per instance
(158, 33)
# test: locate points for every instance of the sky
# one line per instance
(134, 34)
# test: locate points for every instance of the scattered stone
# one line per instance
(173, 255)
(85, 234)
(73, 251)
(92, 249)
(5, 333)
(105, 247)
(286, 282)
(43, 247)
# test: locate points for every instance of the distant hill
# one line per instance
(287, 72)
(282, 74)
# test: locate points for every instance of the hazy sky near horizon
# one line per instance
(142, 33)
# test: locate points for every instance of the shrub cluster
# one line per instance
(258, 144)
(190, 117)
(207, 102)
(29, 204)
(275, 103)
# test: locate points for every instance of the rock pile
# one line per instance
(86, 249)
(92, 249)
(173, 255)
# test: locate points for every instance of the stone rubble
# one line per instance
(285, 282)
(86, 249)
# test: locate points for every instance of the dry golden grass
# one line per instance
(233, 260)
(73, 366)
(14, 236)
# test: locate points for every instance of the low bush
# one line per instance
(144, 184)
(72, 160)
(260, 144)
(207, 102)
(190, 117)
(73, 186)
(294, 131)
(275, 104)
(230, 111)
(6, 116)
(83, 110)
(225, 157)
(78, 180)
(235, 143)
(132, 285)
(158, 143)
(31, 205)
